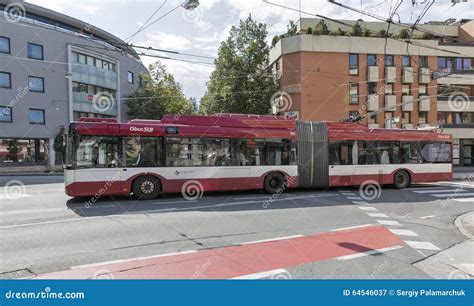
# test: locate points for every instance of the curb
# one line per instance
(458, 223)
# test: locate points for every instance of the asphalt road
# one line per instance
(220, 235)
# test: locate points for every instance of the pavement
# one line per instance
(457, 261)
(322, 234)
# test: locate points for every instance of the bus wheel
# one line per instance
(274, 182)
(401, 180)
(146, 187)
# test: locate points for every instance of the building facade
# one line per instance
(53, 70)
(427, 82)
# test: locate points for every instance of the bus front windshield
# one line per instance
(94, 152)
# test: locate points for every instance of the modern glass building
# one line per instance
(53, 70)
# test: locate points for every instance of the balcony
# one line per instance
(83, 102)
(424, 104)
(407, 126)
(407, 76)
(407, 105)
(372, 103)
(373, 74)
(424, 75)
(390, 74)
(373, 126)
(94, 76)
(391, 101)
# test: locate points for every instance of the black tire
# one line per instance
(146, 187)
(401, 179)
(274, 182)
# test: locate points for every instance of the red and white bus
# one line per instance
(238, 152)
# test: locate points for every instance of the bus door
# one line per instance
(234, 161)
(103, 155)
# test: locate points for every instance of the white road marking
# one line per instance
(31, 211)
(262, 274)
(250, 198)
(438, 191)
(132, 259)
(402, 232)
(454, 195)
(368, 208)
(428, 217)
(377, 215)
(50, 222)
(388, 222)
(360, 202)
(16, 197)
(271, 239)
(354, 198)
(464, 200)
(422, 245)
(348, 193)
(352, 227)
(371, 252)
(428, 188)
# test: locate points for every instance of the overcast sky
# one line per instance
(201, 31)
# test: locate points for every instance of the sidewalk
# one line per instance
(456, 262)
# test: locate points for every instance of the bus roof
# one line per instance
(243, 126)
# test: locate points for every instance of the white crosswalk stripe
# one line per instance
(454, 195)
(368, 208)
(403, 232)
(464, 200)
(377, 215)
(422, 245)
(388, 222)
(438, 191)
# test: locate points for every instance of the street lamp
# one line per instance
(191, 4)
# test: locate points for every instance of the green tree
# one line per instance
(382, 33)
(404, 34)
(157, 95)
(13, 147)
(309, 30)
(194, 104)
(59, 145)
(275, 40)
(241, 82)
(366, 33)
(356, 29)
(291, 28)
(322, 28)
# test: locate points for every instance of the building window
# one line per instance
(130, 77)
(36, 116)
(35, 51)
(372, 60)
(6, 114)
(389, 60)
(36, 84)
(4, 44)
(372, 119)
(406, 61)
(405, 89)
(372, 88)
(354, 93)
(406, 117)
(422, 89)
(422, 117)
(354, 64)
(5, 80)
(388, 89)
(423, 62)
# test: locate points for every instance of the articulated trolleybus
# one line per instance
(237, 152)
